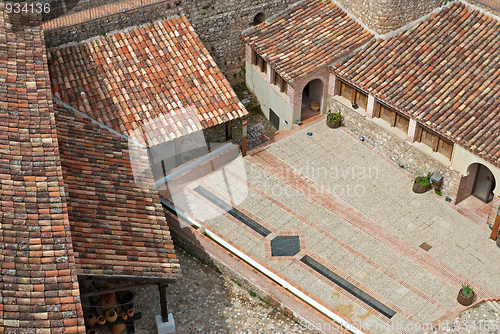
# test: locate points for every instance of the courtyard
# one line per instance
(325, 211)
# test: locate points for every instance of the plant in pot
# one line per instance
(465, 295)
(334, 119)
(354, 105)
(422, 184)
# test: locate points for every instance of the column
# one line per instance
(370, 107)
(412, 131)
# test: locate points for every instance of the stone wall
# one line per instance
(218, 23)
(414, 161)
(383, 16)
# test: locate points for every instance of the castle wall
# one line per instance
(383, 16)
(219, 25)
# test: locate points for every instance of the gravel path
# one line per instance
(204, 301)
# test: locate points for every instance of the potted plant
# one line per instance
(334, 119)
(422, 184)
(465, 295)
(354, 105)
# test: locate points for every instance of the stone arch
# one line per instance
(259, 18)
(313, 91)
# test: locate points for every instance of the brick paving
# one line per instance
(370, 239)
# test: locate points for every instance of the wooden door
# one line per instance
(428, 138)
(347, 91)
(274, 119)
(387, 114)
(483, 183)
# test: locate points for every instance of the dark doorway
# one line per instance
(311, 94)
(259, 18)
(274, 119)
(484, 184)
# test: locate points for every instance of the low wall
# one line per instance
(233, 267)
(199, 171)
(414, 161)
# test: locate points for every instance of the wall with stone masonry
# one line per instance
(415, 161)
(383, 16)
(218, 23)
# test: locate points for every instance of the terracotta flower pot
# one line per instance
(333, 124)
(101, 320)
(419, 189)
(91, 331)
(118, 328)
(124, 316)
(90, 319)
(464, 300)
(130, 313)
(111, 316)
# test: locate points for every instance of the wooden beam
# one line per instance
(496, 226)
(118, 289)
(163, 302)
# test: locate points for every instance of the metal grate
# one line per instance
(349, 287)
(233, 212)
(285, 245)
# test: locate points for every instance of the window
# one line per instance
(434, 141)
(280, 82)
(353, 95)
(392, 117)
(259, 62)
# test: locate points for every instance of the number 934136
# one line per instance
(32, 7)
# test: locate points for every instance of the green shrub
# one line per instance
(335, 116)
(424, 180)
(438, 192)
(467, 291)
(251, 293)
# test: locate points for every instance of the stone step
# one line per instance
(494, 306)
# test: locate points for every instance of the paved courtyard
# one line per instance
(343, 225)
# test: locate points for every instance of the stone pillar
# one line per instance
(333, 85)
(248, 54)
(412, 131)
(270, 73)
(370, 107)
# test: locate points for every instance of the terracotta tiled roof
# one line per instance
(38, 283)
(306, 37)
(158, 79)
(445, 72)
(117, 222)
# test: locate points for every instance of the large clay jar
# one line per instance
(130, 313)
(111, 316)
(90, 319)
(118, 328)
(91, 331)
(101, 320)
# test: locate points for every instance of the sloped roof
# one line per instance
(118, 226)
(445, 72)
(38, 283)
(157, 81)
(306, 37)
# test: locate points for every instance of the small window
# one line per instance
(436, 142)
(258, 19)
(259, 62)
(353, 95)
(280, 82)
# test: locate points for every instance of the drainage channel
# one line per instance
(266, 272)
(347, 286)
(233, 212)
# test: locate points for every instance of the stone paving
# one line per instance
(205, 301)
(356, 215)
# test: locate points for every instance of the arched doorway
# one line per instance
(259, 18)
(313, 92)
(484, 182)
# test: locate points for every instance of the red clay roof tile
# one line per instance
(444, 72)
(142, 79)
